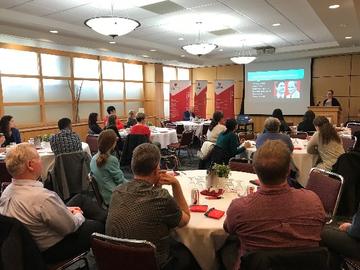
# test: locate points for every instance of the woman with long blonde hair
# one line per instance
(105, 167)
(325, 143)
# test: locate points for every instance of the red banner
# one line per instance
(224, 98)
(200, 99)
(179, 99)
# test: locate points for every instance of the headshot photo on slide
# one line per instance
(293, 88)
(279, 89)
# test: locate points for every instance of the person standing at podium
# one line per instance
(330, 100)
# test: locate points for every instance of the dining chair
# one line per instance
(241, 165)
(20, 251)
(328, 186)
(185, 142)
(348, 142)
(92, 141)
(95, 188)
(354, 126)
(298, 135)
(311, 258)
(110, 252)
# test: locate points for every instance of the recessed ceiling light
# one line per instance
(343, 25)
(180, 38)
(54, 31)
(144, 55)
(183, 55)
(334, 6)
(112, 42)
(220, 50)
(276, 24)
(348, 37)
(153, 50)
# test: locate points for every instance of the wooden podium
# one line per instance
(333, 113)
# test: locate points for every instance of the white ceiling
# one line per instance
(308, 27)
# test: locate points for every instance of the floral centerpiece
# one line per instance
(217, 177)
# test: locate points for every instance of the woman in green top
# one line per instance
(105, 167)
(228, 141)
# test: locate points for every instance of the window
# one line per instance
(172, 73)
(55, 65)
(133, 72)
(86, 68)
(112, 70)
(18, 62)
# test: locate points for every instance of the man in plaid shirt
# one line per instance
(66, 141)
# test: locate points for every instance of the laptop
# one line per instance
(243, 119)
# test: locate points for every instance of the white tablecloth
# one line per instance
(48, 158)
(164, 136)
(203, 235)
(303, 161)
(190, 125)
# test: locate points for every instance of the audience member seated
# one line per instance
(140, 128)
(112, 125)
(272, 132)
(325, 143)
(105, 167)
(216, 126)
(112, 111)
(94, 128)
(228, 141)
(277, 113)
(188, 115)
(60, 232)
(131, 119)
(276, 216)
(307, 125)
(343, 241)
(66, 141)
(10, 133)
(141, 209)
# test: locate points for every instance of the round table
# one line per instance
(202, 235)
(164, 136)
(303, 161)
(196, 126)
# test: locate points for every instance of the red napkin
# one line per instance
(198, 208)
(214, 213)
(298, 148)
(213, 193)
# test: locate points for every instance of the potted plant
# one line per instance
(217, 176)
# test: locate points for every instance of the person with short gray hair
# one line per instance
(272, 127)
(141, 128)
(142, 209)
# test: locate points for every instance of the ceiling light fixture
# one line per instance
(348, 37)
(199, 48)
(112, 42)
(153, 50)
(244, 56)
(220, 50)
(180, 38)
(276, 24)
(334, 6)
(54, 31)
(145, 56)
(112, 26)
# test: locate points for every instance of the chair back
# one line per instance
(241, 165)
(205, 129)
(131, 142)
(312, 258)
(348, 142)
(246, 136)
(354, 126)
(186, 138)
(180, 129)
(129, 253)
(163, 123)
(92, 141)
(328, 186)
(95, 188)
(170, 125)
(298, 135)
(70, 174)
(4, 174)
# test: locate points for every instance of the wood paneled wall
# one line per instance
(340, 73)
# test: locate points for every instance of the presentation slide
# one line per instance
(284, 85)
